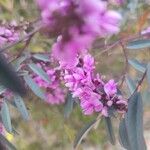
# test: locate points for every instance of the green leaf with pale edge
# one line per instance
(34, 87)
(131, 84)
(6, 117)
(6, 143)
(145, 98)
(42, 57)
(137, 65)
(134, 123)
(21, 107)
(109, 129)
(83, 132)
(123, 136)
(148, 73)
(68, 105)
(39, 71)
(139, 44)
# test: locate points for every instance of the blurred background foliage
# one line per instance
(47, 128)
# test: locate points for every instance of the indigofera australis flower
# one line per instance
(95, 95)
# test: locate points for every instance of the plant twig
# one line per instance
(139, 84)
(108, 47)
(23, 48)
(126, 64)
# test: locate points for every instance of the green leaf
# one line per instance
(139, 44)
(42, 57)
(131, 84)
(9, 78)
(6, 143)
(123, 136)
(134, 123)
(137, 65)
(83, 132)
(21, 107)
(6, 117)
(145, 97)
(39, 71)
(34, 87)
(68, 105)
(148, 73)
(109, 129)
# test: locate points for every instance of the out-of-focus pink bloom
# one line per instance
(8, 35)
(43, 4)
(109, 23)
(78, 23)
(67, 51)
(110, 87)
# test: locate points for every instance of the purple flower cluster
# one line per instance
(76, 24)
(95, 95)
(55, 94)
(8, 35)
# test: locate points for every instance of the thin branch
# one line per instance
(123, 40)
(139, 84)
(23, 48)
(126, 64)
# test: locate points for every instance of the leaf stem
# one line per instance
(139, 84)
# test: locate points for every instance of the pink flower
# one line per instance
(89, 106)
(110, 87)
(88, 63)
(76, 77)
(93, 93)
(86, 93)
(109, 22)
